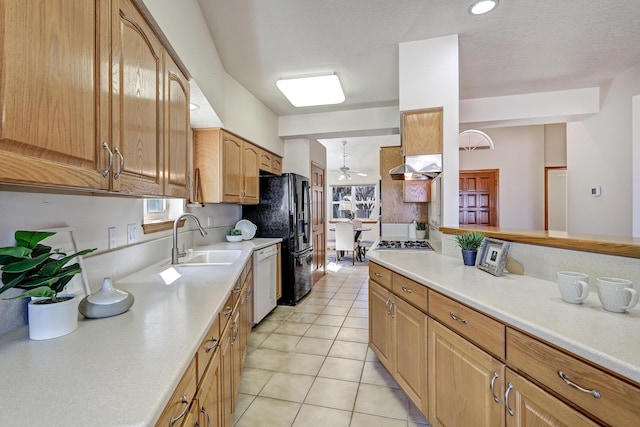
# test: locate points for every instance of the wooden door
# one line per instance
(318, 207)
(55, 71)
(410, 351)
(137, 103)
(232, 173)
(478, 198)
(460, 382)
(532, 406)
(251, 172)
(380, 324)
(177, 129)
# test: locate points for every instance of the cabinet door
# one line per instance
(54, 70)
(529, 405)
(226, 373)
(410, 351)
(422, 132)
(232, 169)
(210, 401)
(380, 338)
(462, 389)
(176, 407)
(251, 167)
(236, 355)
(137, 102)
(176, 128)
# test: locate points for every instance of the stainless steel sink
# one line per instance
(211, 257)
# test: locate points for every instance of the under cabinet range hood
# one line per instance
(426, 166)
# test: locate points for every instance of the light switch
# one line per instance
(131, 233)
(596, 191)
(112, 237)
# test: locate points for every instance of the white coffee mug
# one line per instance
(616, 295)
(574, 287)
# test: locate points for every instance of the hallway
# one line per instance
(310, 365)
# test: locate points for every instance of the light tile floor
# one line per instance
(310, 365)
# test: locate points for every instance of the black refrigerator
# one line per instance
(285, 211)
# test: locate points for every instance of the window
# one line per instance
(157, 210)
(357, 201)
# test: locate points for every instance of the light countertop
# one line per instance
(532, 305)
(123, 369)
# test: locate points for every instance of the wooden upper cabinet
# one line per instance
(251, 170)
(228, 167)
(176, 131)
(54, 68)
(270, 162)
(137, 102)
(422, 132)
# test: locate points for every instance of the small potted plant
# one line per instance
(234, 235)
(469, 242)
(43, 274)
(421, 230)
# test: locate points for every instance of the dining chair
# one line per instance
(344, 240)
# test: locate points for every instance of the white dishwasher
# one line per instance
(264, 281)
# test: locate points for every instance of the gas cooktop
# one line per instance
(422, 245)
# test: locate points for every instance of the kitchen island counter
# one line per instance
(119, 370)
(531, 305)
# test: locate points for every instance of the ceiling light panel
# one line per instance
(310, 91)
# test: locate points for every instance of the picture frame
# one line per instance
(493, 256)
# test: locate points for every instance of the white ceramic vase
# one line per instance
(48, 321)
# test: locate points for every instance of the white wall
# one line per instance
(599, 153)
(298, 154)
(91, 216)
(519, 155)
(184, 26)
(429, 73)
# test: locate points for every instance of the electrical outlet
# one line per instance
(131, 233)
(209, 221)
(112, 237)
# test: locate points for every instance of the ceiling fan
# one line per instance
(345, 171)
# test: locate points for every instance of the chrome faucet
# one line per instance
(175, 253)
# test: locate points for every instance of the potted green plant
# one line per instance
(421, 230)
(469, 242)
(42, 274)
(234, 235)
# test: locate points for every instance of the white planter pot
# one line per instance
(421, 234)
(48, 321)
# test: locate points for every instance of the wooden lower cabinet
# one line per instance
(398, 336)
(462, 389)
(178, 405)
(529, 405)
(209, 403)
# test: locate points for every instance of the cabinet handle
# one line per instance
(236, 291)
(117, 151)
(228, 311)
(386, 306)
(184, 400)
(456, 318)
(234, 328)
(393, 304)
(407, 290)
(374, 273)
(106, 147)
(493, 381)
(206, 414)
(506, 399)
(595, 393)
(216, 343)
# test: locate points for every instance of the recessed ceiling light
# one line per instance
(309, 91)
(480, 7)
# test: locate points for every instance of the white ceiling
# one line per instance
(521, 47)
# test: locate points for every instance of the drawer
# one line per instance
(208, 346)
(618, 402)
(380, 275)
(477, 327)
(411, 291)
